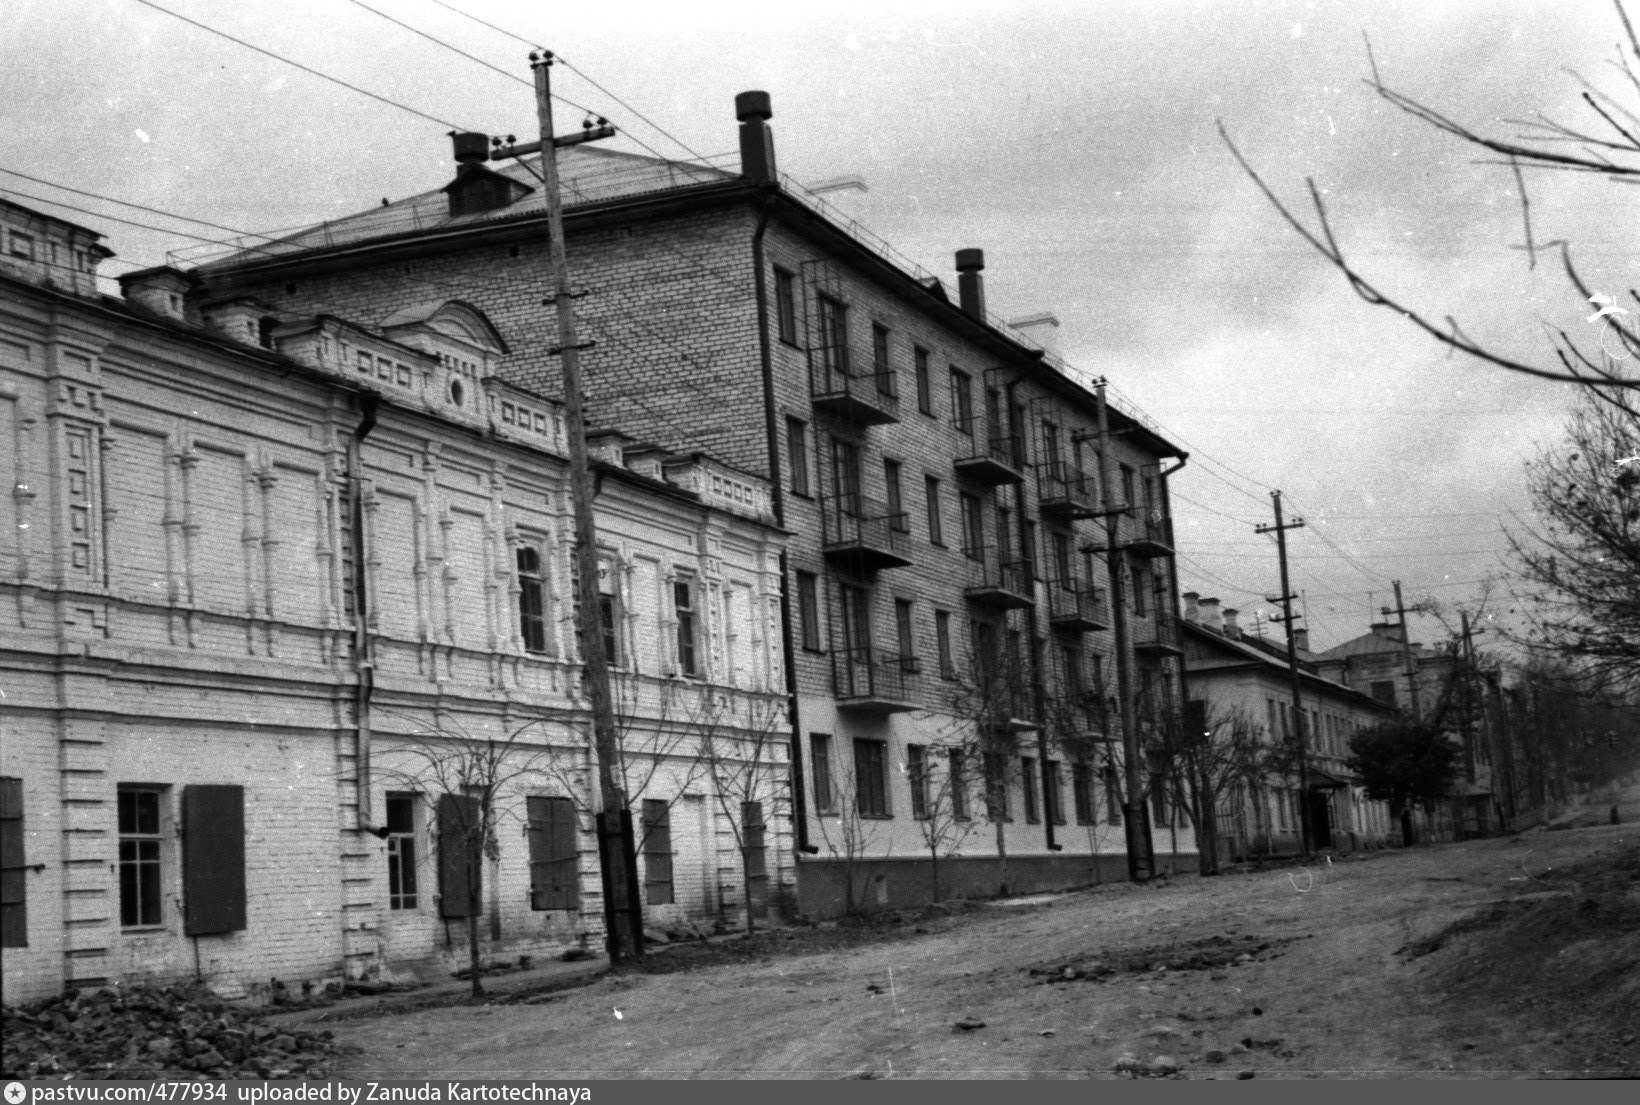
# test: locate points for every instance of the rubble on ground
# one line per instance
(173, 1032)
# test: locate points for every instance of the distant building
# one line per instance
(257, 566)
(1260, 815)
(947, 582)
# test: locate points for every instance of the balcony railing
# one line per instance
(863, 533)
(997, 457)
(853, 388)
(1066, 490)
(1002, 584)
(1150, 533)
(1077, 606)
(868, 679)
(1156, 635)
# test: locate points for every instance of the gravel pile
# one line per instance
(137, 1032)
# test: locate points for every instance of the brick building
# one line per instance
(940, 475)
(1234, 673)
(275, 591)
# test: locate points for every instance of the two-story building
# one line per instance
(1245, 680)
(285, 598)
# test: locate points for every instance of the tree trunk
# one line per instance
(1002, 857)
(472, 951)
(746, 890)
(1407, 839)
(934, 869)
(1207, 830)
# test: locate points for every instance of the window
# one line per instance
(996, 786)
(916, 774)
(959, 788)
(973, 527)
(13, 867)
(1051, 783)
(140, 872)
(942, 638)
(1063, 573)
(555, 852)
(808, 610)
(856, 609)
(755, 854)
(797, 455)
(1113, 796)
(845, 476)
(897, 518)
(931, 491)
(1050, 446)
(1140, 578)
(1027, 773)
(1028, 539)
(657, 852)
(825, 799)
(1127, 486)
(532, 622)
(683, 606)
(925, 388)
(460, 856)
(904, 630)
(962, 401)
(608, 617)
(870, 775)
(879, 359)
(1070, 672)
(22, 245)
(833, 335)
(401, 851)
(785, 305)
(1082, 791)
(1161, 809)
(1005, 533)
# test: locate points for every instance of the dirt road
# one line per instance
(1490, 958)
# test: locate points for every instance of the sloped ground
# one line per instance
(1482, 959)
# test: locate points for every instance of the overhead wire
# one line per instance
(304, 68)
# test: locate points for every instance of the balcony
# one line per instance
(1066, 491)
(996, 459)
(1156, 635)
(997, 583)
(863, 535)
(863, 396)
(1150, 534)
(871, 681)
(1076, 607)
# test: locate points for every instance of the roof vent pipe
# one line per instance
(970, 284)
(756, 139)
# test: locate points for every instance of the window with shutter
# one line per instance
(460, 855)
(657, 852)
(213, 859)
(555, 853)
(13, 867)
(757, 869)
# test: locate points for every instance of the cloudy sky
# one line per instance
(1074, 142)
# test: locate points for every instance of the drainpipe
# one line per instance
(1178, 628)
(800, 816)
(364, 658)
(1039, 695)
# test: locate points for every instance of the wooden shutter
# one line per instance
(555, 851)
(757, 868)
(213, 859)
(13, 870)
(460, 852)
(657, 852)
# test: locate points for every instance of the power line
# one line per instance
(128, 203)
(304, 68)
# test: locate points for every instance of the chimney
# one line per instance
(161, 291)
(1386, 631)
(1191, 614)
(471, 148)
(1040, 329)
(1301, 639)
(1231, 629)
(970, 284)
(756, 139)
(1210, 615)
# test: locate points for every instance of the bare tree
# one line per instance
(937, 779)
(1211, 749)
(1607, 144)
(741, 739)
(475, 778)
(848, 834)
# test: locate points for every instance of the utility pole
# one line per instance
(623, 922)
(1406, 653)
(1141, 855)
(1280, 530)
